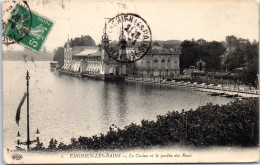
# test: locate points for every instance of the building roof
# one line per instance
(89, 51)
(162, 51)
(158, 50)
(96, 51)
(77, 49)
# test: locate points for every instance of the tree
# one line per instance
(209, 52)
(53, 144)
(189, 54)
(245, 57)
(39, 147)
(156, 44)
(59, 56)
(82, 41)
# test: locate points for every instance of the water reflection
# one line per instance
(121, 102)
(64, 107)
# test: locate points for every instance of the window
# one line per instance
(163, 60)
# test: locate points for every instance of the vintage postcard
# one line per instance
(133, 81)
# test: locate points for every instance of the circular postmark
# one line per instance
(16, 21)
(129, 37)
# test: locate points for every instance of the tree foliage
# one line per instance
(209, 52)
(59, 56)
(244, 57)
(82, 41)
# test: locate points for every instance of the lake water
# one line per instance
(63, 107)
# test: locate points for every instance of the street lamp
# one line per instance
(37, 135)
(207, 81)
(222, 81)
(160, 75)
(28, 125)
(18, 137)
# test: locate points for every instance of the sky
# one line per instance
(168, 19)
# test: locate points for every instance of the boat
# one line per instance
(213, 93)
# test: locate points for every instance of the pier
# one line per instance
(210, 89)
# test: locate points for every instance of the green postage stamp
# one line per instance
(27, 28)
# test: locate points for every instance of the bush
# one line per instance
(234, 124)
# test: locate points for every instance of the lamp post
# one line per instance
(160, 75)
(18, 137)
(28, 127)
(37, 135)
(238, 84)
(227, 83)
(207, 81)
(28, 142)
(221, 81)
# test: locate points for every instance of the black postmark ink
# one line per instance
(129, 36)
(18, 17)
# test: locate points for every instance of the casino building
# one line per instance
(93, 61)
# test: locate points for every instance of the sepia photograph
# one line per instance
(133, 81)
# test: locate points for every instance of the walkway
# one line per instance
(225, 91)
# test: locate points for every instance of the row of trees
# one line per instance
(243, 59)
(236, 55)
(234, 124)
(82, 41)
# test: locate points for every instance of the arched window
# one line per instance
(163, 60)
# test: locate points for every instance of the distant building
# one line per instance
(189, 71)
(201, 66)
(231, 45)
(158, 62)
(93, 61)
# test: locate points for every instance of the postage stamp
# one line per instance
(27, 28)
(6, 16)
(131, 36)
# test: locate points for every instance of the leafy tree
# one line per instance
(59, 56)
(244, 55)
(39, 147)
(53, 144)
(209, 52)
(156, 44)
(62, 146)
(212, 53)
(82, 41)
